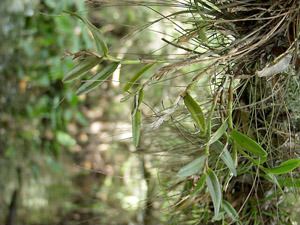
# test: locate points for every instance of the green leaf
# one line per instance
(231, 212)
(140, 97)
(284, 167)
(136, 117)
(64, 139)
(214, 190)
(247, 143)
(97, 79)
(227, 159)
(210, 5)
(202, 35)
(193, 167)
(260, 160)
(81, 69)
(137, 76)
(199, 10)
(289, 182)
(218, 217)
(137, 101)
(195, 111)
(98, 37)
(222, 129)
(199, 184)
(136, 127)
(225, 156)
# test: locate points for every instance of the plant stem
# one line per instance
(213, 106)
(134, 61)
(230, 102)
(230, 124)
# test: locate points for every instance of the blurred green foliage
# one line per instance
(37, 111)
(35, 107)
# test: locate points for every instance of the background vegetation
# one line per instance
(50, 138)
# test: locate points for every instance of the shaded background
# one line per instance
(66, 159)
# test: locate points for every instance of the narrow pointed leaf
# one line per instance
(97, 79)
(195, 111)
(137, 76)
(210, 5)
(218, 217)
(140, 97)
(81, 69)
(199, 184)
(136, 127)
(199, 9)
(225, 156)
(247, 143)
(285, 167)
(193, 167)
(202, 35)
(231, 212)
(222, 129)
(214, 190)
(260, 160)
(227, 159)
(289, 182)
(98, 37)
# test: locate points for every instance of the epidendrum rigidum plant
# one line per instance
(245, 155)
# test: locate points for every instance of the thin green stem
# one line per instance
(213, 106)
(134, 61)
(230, 102)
